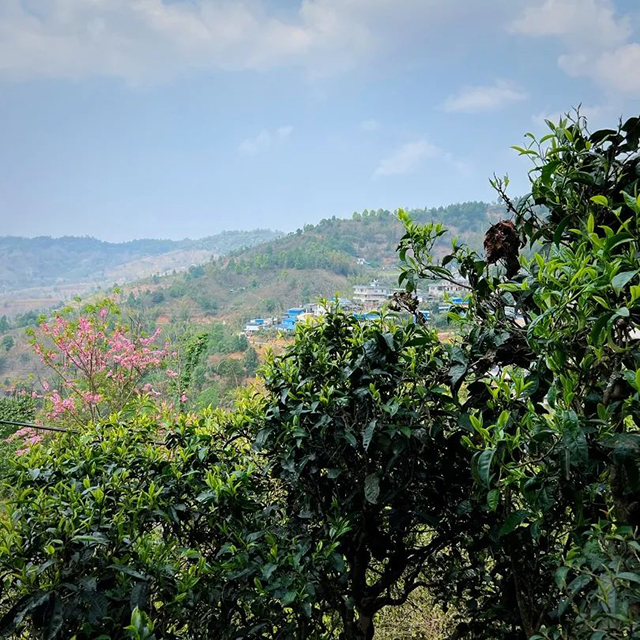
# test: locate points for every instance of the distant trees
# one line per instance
(8, 342)
(307, 253)
(157, 297)
(251, 361)
(25, 320)
(195, 272)
(334, 244)
(207, 304)
(464, 215)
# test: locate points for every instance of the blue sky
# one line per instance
(125, 119)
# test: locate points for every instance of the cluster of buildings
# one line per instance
(285, 323)
(291, 316)
(367, 299)
(374, 295)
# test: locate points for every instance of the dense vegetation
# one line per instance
(499, 473)
(316, 261)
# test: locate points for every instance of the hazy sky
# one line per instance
(171, 118)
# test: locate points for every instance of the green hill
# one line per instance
(317, 260)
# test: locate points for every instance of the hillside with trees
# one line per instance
(316, 261)
(336, 243)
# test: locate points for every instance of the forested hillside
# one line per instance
(335, 243)
(45, 261)
(315, 261)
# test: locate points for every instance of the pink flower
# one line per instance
(61, 405)
(84, 324)
(183, 397)
(29, 437)
(171, 373)
(96, 361)
(91, 398)
(25, 432)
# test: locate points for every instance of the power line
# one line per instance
(37, 426)
(40, 427)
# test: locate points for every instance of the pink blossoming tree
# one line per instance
(101, 363)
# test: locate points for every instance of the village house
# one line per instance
(440, 288)
(371, 296)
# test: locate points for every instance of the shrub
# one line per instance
(106, 524)
(359, 428)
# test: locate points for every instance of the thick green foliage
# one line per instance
(359, 429)
(18, 409)
(106, 522)
(500, 472)
(551, 400)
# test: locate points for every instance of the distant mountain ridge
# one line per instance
(45, 261)
(343, 245)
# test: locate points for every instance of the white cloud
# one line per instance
(619, 70)
(406, 158)
(139, 40)
(370, 125)
(595, 38)
(284, 133)
(484, 98)
(264, 140)
(253, 146)
(144, 41)
(583, 22)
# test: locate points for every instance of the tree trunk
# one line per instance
(361, 628)
(523, 607)
(364, 626)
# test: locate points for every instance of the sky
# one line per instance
(125, 119)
